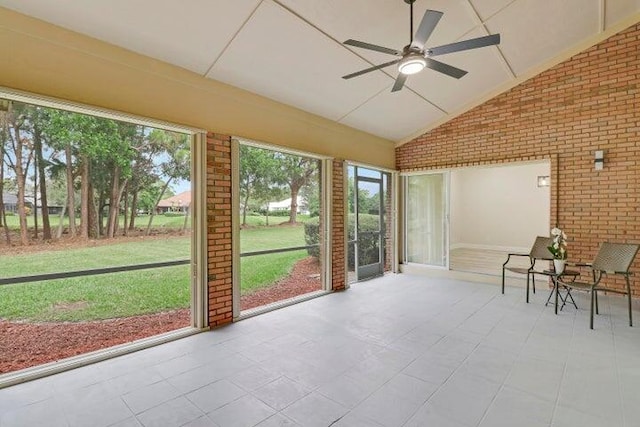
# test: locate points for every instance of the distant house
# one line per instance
(10, 203)
(285, 205)
(178, 203)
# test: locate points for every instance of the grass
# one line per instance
(138, 292)
(97, 297)
(119, 254)
(159, 221)
(262, 270)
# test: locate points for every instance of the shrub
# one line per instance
(368, 243)
(312, 235)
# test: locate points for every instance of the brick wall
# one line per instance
(338, 274)
(587, 103)
(219, 214)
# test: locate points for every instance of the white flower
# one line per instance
(557, 232)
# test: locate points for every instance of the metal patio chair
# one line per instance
(612, 258)
(538, 252)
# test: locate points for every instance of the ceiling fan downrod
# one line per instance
(410, 3)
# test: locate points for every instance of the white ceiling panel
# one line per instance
(393, 115)
(488, 8)
(283, 58)
(485, 70)
(291, 50)
(534, 31)
(188, 36)
(617, 10)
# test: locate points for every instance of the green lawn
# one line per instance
(159, 221)
(262, 270)
(138, 292)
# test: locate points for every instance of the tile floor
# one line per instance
(401, 350)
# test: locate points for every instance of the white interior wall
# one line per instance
(499, 207)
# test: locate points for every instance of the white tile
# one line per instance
(315, 410)
(569, 417)
(175, 412)
(395, 402)
(489, 363)
(44, 413)
(253, 377)
(513, 407)
(147, 397)
(203, 421)
(427, 415)
(278, 420)
(354, 420)
(215, 395)
(347, 391)
(281, 393)
(539, 377)
(472, 393)
(244, 412)
(206, 374)
(129, 422)
(105, 413)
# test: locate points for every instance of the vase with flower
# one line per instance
(558, 249)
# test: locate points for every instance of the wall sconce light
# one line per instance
(544, 181)
(599, 160)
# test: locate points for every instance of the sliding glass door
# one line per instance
(426, 221)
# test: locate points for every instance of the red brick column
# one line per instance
(219, 214)
(338, 227)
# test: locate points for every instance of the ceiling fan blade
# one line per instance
(370, 46)
(428, 24)
(447, 69)
(465, 45)
(367, 70)
(399, 82)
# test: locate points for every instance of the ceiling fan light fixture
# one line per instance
(412, 64)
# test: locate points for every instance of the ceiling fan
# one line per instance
(415, 56)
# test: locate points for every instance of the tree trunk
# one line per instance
(134, 209)
(84, 197)
(61, 222)
(125, 217)
(293, 215)
(244, 209)
(35, 200)
(94, 232)
(155, 206)
(187, 214)
(70, 191)
(101, 204)
(21, 181)
(44, 204)
(3, 215)
(114, 204)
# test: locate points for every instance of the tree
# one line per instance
(296, 172)
(19, 156)
(4, 134)
(177, 164)
(259, 171)
(40, 121)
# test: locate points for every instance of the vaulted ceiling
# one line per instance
(292, 51)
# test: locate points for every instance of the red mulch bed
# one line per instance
(23, 345)
(304, 278)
